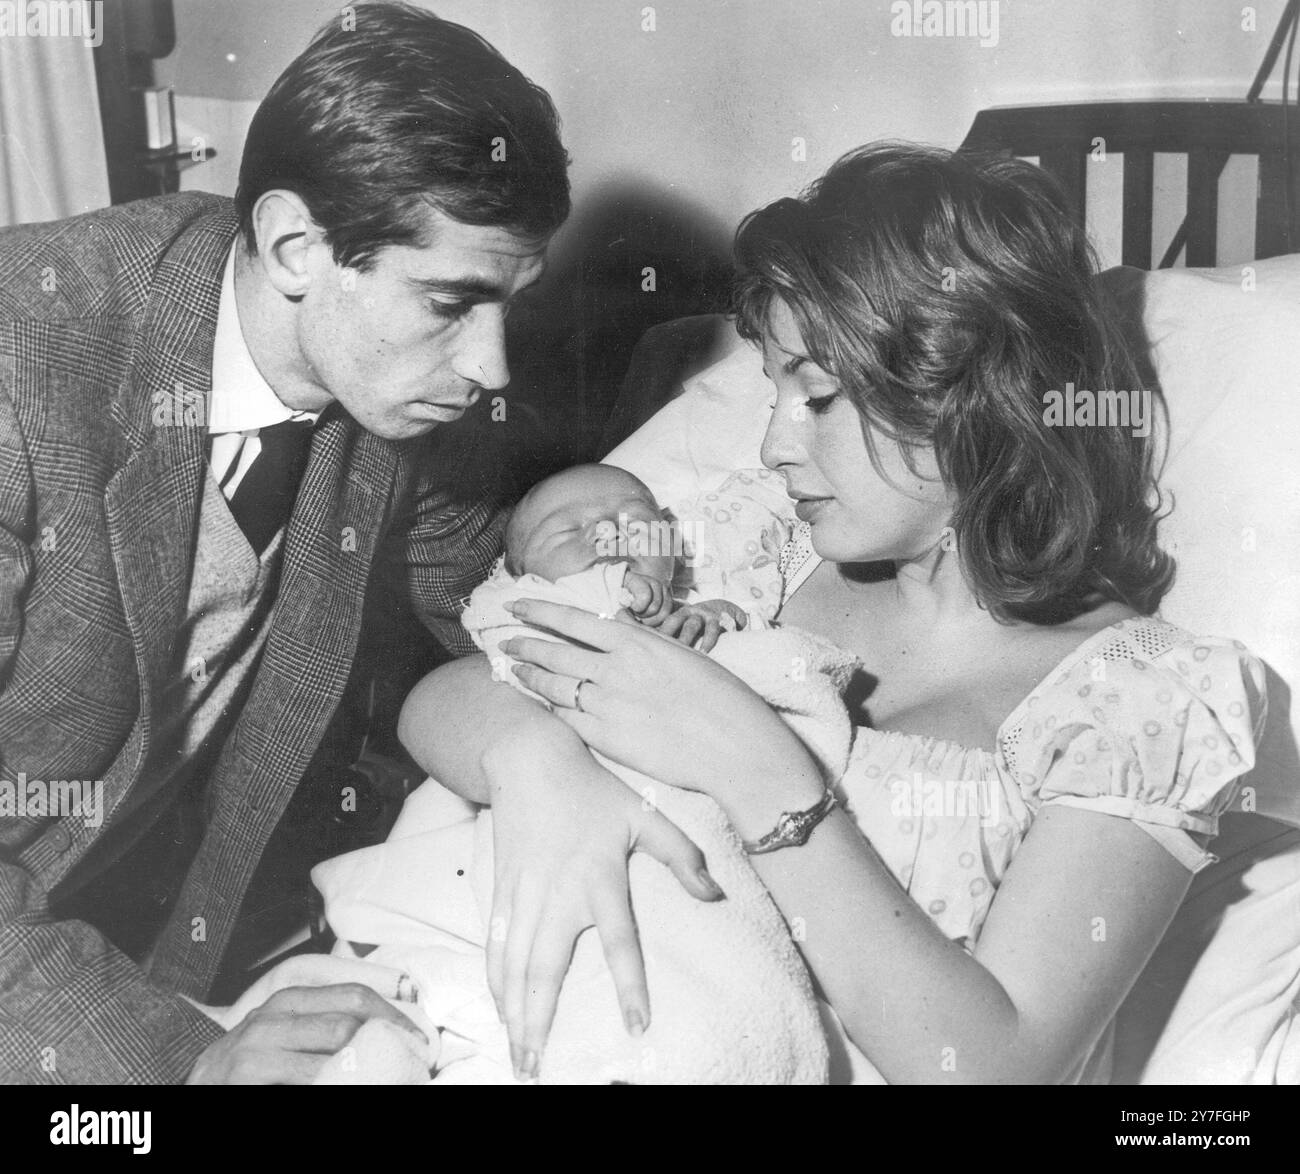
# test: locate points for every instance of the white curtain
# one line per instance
(51, 146)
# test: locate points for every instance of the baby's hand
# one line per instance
(698, 625)
(647, 599)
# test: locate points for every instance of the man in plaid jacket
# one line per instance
(398, 189)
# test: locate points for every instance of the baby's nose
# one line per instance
(604, 535)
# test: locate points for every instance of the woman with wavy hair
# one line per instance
(1039, 763)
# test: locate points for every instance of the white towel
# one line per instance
(598, 590)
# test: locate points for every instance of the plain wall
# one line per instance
(675, 133)
(707, 105)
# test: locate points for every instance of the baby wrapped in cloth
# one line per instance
(730, 998)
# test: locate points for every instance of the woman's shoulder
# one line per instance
(1145, 720)
(1138, 661)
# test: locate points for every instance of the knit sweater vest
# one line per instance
(214, 655)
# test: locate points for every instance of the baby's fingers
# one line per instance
(654, 611)
(691, 629)
(638, 593)
(712, 630)
(672, 623)
(739, 617)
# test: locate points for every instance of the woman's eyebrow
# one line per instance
(795, 359)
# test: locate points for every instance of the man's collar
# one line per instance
(242, 400)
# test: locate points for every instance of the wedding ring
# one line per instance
(577, 697)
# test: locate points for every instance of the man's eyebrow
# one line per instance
(462, 286)
(471, 287)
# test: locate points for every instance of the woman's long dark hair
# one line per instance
(949, 293)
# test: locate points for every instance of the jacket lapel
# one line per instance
(151, 503)
(338, 522)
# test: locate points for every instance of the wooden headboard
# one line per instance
(1063, 137)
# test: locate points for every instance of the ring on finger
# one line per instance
(577, 695)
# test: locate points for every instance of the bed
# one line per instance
(1219, 1001)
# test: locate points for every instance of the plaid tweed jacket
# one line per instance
(102, 318)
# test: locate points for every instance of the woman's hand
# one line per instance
(653, 705)
(563, 827)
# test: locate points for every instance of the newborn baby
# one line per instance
(597, 532)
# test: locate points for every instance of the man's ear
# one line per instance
(288, 242)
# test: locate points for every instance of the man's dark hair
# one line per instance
(391, 110)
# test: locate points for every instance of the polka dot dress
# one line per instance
(734, 536)
(1143, 721)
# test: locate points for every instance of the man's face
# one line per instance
(412, 343)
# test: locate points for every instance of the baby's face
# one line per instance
(585, 516)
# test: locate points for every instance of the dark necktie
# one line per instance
(264, 497)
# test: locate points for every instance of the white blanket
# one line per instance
(730, 999)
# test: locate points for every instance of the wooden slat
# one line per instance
(1070, 167)
(1139, 198)
(1203, 167)
(138, 31)
(1207, 133)
(149, 27)
(1179, 127)
(121, 117)
(1271, 236)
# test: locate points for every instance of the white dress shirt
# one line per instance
(242, 402)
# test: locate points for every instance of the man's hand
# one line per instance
(288, 1039)
(698, 625)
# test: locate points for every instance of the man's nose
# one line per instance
(481, 356)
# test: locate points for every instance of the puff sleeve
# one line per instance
(1158, 729)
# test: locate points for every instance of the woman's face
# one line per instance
(816, 440)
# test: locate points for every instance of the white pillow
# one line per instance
(1224, 343)
(714, 428)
